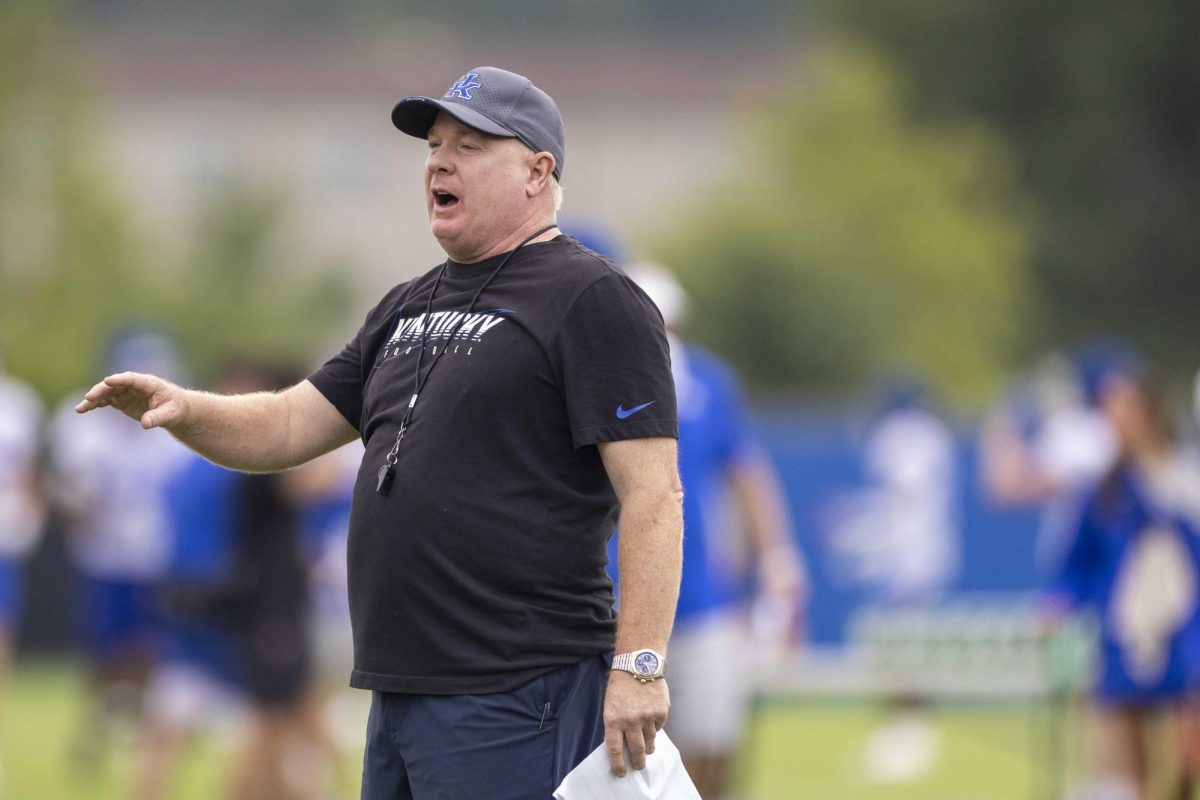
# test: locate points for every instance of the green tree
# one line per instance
(1100, 102)
(240, 292)
(854, 241)
(68, 263)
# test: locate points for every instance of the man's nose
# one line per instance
(438, 162)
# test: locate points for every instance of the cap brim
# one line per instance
(415, 116)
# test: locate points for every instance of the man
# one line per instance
(107, 481)
(511, 401)
(899, 537)
(235, 622)
(720, 459)
(22, 511)
(899, 540)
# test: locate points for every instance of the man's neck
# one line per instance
(512, 241)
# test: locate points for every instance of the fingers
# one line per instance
(614, 745)
(146, 398)
(96, 397)
(619, 740)
(633, 737)
(133, 383)
(636, 742)
(102, 393)
(633, 715)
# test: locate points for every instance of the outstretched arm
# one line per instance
(1009, 469)
(645, 476)
(260, 432)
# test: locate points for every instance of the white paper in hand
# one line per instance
(664, 777)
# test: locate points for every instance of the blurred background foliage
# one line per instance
(860, 241)
(946, 187)
(1100, 104)
(74, 264)
(320, 18)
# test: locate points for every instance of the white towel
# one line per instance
(664, 777)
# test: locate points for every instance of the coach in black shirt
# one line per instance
(511, 401)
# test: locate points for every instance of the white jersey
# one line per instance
(899, 536)
(910, 460)
(21, 515)
(1074, 447)
(109, 476)
(1174, 485)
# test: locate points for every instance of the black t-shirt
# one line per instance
(484, 566)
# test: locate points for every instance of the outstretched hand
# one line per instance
(633, 713)
(152, 401)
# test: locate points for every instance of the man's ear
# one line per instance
(541, 168)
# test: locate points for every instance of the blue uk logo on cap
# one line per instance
(463, 86)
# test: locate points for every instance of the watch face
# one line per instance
(646, 663)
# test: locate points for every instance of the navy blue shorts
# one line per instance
(516, 745)
(119, 618)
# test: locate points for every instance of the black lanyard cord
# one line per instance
(387, 472)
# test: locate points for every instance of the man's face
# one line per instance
(474, 188)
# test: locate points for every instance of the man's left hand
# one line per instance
(633, 713)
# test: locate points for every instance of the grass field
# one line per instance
(42, 713)
(816, 750)
(796, 750)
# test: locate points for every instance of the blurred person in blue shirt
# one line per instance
(1049, 441)
(196, 684)
(107, 482)
(236, 609)
(713, 656)
(1134, 562)
(22, 510)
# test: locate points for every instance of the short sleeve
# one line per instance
(615, 366)
(341, 380)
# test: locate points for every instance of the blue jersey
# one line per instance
(200, 502)
(21, 515)
(1135, 561)
(200, 507)
(714, 435)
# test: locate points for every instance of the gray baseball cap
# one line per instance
(494, 101)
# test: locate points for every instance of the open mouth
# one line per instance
(444, 200)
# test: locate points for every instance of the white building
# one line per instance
(646, 128)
